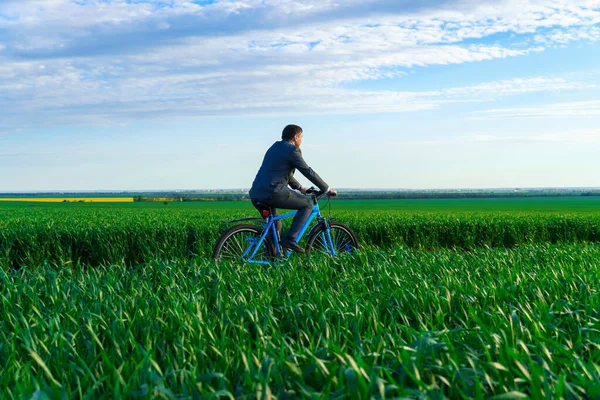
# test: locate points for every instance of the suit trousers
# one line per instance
(289, 200)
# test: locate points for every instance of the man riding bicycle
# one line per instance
(272, 184)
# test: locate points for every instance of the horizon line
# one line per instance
(342, 189)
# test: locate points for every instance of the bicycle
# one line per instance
(261, 245)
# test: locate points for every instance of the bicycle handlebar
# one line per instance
(316, 192)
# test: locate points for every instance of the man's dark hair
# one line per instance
(290, 131)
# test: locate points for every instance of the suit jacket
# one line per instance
(277, 172)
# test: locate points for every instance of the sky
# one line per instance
(182, 95)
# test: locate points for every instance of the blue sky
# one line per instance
(137, 95)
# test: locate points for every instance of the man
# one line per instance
(275, 177)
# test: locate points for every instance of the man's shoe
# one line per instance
(292, 245)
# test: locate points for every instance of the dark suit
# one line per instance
(275, 177)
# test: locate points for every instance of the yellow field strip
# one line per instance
(70, 199)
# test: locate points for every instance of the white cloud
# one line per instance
(591, 33)
(579, 136)
(572, 137)
(66, 94)
(519, 86)
(442, 24)
(114, 61)
(567, 109)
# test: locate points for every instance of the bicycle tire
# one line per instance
(232, 244)
(344, 240)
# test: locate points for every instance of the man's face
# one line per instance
(298, 139)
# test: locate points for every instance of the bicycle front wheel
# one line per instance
(239, 243)
(343, 240)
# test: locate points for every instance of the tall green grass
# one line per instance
(31, 236)
(472, 230)
(91, 236)
(399, 323)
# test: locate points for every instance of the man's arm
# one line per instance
(299, 163)
(294, 184)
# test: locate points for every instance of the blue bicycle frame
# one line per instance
(270, 227)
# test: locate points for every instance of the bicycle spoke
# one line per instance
(241, 244)
(341, 240)
(233, 247)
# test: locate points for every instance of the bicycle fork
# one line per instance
(326, 238)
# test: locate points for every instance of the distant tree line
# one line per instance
(374, 195)
(451, 195)
(184, 198)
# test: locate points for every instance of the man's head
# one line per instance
(293, 134)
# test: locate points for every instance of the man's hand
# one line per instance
(332, 193)
(303, 189)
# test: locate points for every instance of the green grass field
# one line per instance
(485, 298)
(34, 234)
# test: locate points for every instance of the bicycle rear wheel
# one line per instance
(239, 242)
(342, 238)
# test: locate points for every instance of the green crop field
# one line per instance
(487, 298)
(132, 233)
